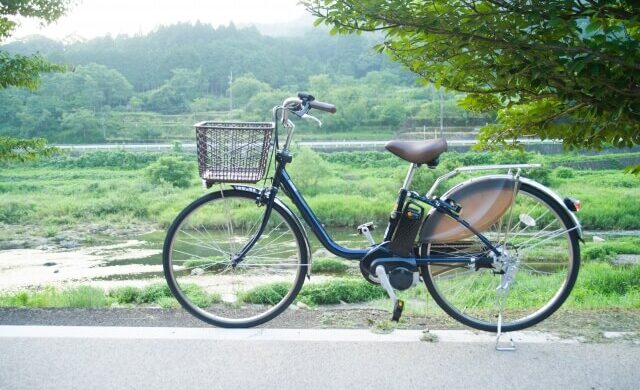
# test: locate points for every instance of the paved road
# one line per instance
(189, 358)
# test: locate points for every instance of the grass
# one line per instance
(330, 292)
(92, 297)
(329, 266)
(48, 197)
(600, 286)
(80, 297)
(609, 249)
(350, 188)
(161, 294)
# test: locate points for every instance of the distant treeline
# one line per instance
(185, 68)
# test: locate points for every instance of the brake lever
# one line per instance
(311, 117)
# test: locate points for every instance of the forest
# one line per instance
(154, 87)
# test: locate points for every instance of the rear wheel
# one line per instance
(539, 238)
(201, 244)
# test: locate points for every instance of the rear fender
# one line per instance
(484, 201)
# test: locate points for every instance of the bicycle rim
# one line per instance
(201, 244)
(540, 238)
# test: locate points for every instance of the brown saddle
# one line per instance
(418, 152)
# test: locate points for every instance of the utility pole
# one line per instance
(230, 92)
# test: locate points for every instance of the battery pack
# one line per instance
(407, 230)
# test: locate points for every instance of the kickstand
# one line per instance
(512, 346)
(500, 293)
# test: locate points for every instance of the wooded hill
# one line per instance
(153, 86)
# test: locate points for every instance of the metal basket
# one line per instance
(233, 152)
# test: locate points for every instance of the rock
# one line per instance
(626, 259)
(302, 305)
(598, 239)
(56, 271)
(343, 302)
(69, 244)
(294, 307)
(428, 337)
(49, 264)
(197, 271)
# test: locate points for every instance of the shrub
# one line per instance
(345, 290)
(125, 295)
(173, 170)
(15, 213)
(268, 294)
(329, 266)
(154, 292)
(331, 292)
(564, 173)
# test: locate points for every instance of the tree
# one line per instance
(24, 71)
(245, 87)
(556, 69)
(175, 95)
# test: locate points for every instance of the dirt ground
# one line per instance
(585, 326)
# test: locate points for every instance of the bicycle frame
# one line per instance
(282, 180)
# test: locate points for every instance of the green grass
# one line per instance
(80, 297)
(161, 294)
(329, 266)
(610, 248)
(344, 189)
(600, 286)
(330, 292)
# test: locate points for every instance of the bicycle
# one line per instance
(497, 252)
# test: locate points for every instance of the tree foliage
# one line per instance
(24, 71)
(20, 70)
(105, 99)
(559, 69)
(13, 149)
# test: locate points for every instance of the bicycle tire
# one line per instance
(288, 227)
(435, 281)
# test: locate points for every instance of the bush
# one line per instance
(125, 295)
(340, 290)
(173, 170)
(609, 280)
(15, 213)
(331, 292)
(329, 266)
(541, 175)
(564, 173)
(268, 294)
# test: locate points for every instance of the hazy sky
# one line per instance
(91, 18)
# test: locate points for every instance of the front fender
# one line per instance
(484, 201)
(291, 214)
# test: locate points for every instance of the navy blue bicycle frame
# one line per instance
(282, 180)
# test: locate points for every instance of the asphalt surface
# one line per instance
(189, 358)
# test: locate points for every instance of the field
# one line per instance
(66, 204)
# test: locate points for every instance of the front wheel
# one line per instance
(538, 238)
(198, 253)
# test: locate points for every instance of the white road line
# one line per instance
(332, 335)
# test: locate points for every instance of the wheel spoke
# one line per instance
(203, 245)
(543, 249)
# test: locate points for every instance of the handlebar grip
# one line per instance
(327, 107)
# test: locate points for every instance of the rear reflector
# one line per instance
(572, 204)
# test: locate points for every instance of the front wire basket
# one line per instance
(233, 152)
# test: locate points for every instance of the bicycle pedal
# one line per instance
(365, 229)
(366, 226)
(397, 310)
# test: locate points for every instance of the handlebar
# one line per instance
(326, 107)
(300, 106)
